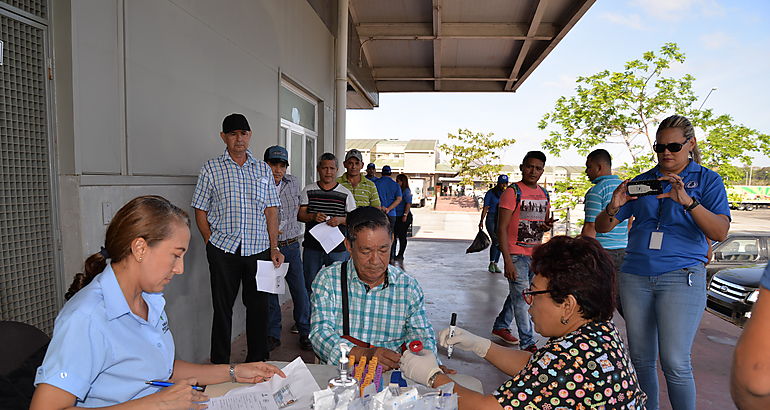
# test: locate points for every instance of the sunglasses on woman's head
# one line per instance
(671, 147)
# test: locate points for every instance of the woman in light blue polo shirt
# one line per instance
(113, 334)
(663, 278)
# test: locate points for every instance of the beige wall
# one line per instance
(142, 87)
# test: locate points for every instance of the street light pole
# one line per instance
(707, 97)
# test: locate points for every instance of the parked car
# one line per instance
(739, 249)
(732, 292)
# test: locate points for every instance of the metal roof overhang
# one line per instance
(451, 45)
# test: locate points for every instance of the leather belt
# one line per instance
(288, 242)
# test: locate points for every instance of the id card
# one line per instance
(656, 240)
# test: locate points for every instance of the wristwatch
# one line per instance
(611, 214)
(432, 379)
(232, 374)
(693, 205)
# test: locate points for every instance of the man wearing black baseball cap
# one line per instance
(236, 211)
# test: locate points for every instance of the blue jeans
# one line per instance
(296, 281)
(314, 259)
(515, 306)
(664, 312)
(494, 247)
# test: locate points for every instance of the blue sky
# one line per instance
(727, 44)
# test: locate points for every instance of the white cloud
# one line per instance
(674, 10)
(628, 20)
(715, 40)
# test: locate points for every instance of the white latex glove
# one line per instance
(419, 367)
(465, 340)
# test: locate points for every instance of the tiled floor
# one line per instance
(457, 282)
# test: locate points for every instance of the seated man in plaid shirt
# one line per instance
(384, 305)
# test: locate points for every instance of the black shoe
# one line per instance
(272, 343)
(304, 343)
(294, 329)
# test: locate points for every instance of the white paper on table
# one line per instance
(328, 236)
(293, 392)
(270, 278)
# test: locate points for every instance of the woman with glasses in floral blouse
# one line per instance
(583, 364)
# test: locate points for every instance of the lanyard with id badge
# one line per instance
(656, 236)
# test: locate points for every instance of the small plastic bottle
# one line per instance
(344, 386)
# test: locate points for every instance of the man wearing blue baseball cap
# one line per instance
(289, 235)
(489, 218)
(390, 197)
(371, 172)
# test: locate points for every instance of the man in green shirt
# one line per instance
(364, 191)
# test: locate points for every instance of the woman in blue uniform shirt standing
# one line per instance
(663, 278)
(113, 334)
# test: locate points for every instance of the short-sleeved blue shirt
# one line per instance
(765, 281)
(103, 353)
(684, 243)
(492, 200)
(389, 190)
(406, 198)
(596, 199)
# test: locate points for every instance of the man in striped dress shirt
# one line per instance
(599, 171)
(236, 211)
(325, 201)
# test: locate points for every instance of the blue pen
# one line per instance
(161, 383)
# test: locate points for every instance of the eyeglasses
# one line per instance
(671, 147)
(529, 294)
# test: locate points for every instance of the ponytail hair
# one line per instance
(149, 217)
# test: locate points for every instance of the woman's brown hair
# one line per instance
(150, 217)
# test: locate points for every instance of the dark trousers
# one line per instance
(228, 271)
(392, 220)
(617, 256)
(401, 229)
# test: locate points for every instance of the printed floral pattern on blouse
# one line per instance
(585, 369)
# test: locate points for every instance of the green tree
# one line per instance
(476, 155)
(626, 106)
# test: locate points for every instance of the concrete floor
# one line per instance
(457, 282)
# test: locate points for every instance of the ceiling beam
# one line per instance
(427, 31)
(533, 27)
(437, 44)
(580, 9)
(448, 74)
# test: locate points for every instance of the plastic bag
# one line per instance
(480, 243)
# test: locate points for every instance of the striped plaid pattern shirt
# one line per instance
(235, 198)
(387, 315)
(597, 198)
(288, 191)
(365, 193)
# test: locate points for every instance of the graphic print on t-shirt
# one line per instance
(533, 212)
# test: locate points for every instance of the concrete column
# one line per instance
(341, 78)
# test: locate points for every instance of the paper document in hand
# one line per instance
(328, 236)
(293, 392)
(270, 278)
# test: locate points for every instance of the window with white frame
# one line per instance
(299, 131)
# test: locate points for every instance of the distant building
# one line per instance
(421, 159)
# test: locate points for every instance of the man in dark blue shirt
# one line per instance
(390, 197)
(489, 217)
